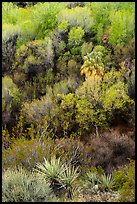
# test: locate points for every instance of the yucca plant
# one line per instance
(51, 170)
(106, 181)
(67, 179)
(92, 177)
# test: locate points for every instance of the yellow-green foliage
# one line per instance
(125, 21)
(124, 182)
(78, 16)
(26, 153)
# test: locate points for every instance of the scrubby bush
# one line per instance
(10, 34)
(34, 63)
(43, 11)
(126, 24)
(17, 155)
(112, 149)
(11, 100)
(78, 16)
(6, 140)
(124, 182)
(10, 13)
(21, 186)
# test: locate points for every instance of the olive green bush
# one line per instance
(124, 182)
(10, 34)
(11, 100)
(16, 154)
(33, 65)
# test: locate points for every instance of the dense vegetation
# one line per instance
(68, 101)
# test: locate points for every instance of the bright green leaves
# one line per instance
(75, 39)
(116, 98)
(75, 36)
(122, 27)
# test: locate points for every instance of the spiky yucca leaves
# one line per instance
(67, 179)
(60, 176)
(92, 177)
(51, 171)
(106, 182)
(21, 186)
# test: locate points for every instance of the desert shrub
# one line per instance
(26, 153)
(124, 182)
(6, 140)
(59, 41)
(108, 17)
(78, 16)
(43, 11)
(68, 66)
(34, 63)
(21, 186)
(112, 149)
(43, 113)
(101, 97)
(74, 152)
(124, 53)
(121, 19)
(89, 110)
(69, 150)
(75, 36)
(11, 100)
(10, 34)
(86, 48)
(10, 13)
(102, 153)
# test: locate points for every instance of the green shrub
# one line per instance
(34, 64)
(11, 100)
(10, 34)
(10, 13)
(26, 153)
(22, 186)
(75, 36)
(124, 175)
(78, 16)
(125, 21)
(44, 17)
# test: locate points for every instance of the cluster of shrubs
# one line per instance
(53, 180)
(68, 76)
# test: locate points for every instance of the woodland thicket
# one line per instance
(68, 95)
